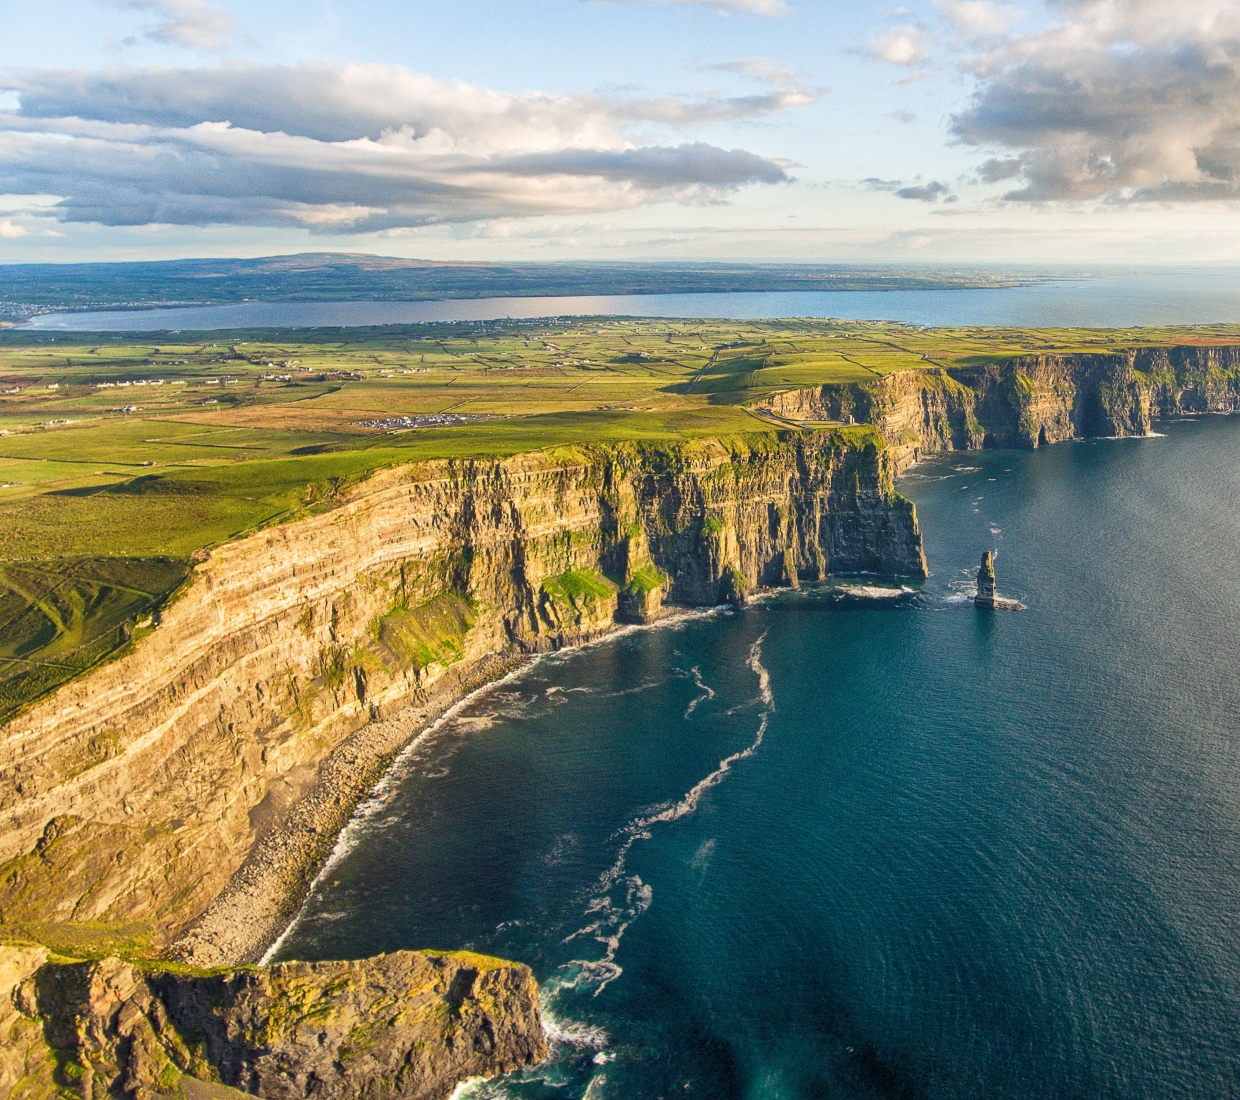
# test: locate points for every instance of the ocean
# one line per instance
(859, 845)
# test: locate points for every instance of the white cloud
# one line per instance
(192, 23)
(355, 147)
(978, 18)
(9, 228)
(762, 69)
(902, 46)
(723, 7)
(1136, 100)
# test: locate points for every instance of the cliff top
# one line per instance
(119, 461)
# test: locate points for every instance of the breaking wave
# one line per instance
(620, 898)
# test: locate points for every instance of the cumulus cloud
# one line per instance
(353, 148)
(1128, 100)
(192, 23)
(902, 46)
(723, 7)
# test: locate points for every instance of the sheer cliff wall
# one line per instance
(131, 796)
(1028, 401)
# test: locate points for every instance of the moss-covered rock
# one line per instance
(404, 1026)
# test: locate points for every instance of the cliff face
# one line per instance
(131, 797)
(405, 1026)
(1028, 401)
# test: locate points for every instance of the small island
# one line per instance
(986, 597)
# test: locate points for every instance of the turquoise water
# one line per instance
(949, 853)
(1167, 298)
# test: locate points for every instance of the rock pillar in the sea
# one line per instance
(986, 583)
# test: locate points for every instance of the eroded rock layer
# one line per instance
(404, 1026)
(1028, 401)
(277, 687)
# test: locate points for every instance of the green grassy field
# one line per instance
(120, 459)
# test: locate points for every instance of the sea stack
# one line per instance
(986, 583)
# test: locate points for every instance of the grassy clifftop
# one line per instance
(120, 459)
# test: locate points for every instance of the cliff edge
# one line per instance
(404, 1026)
(1027, 401)
(190, 790)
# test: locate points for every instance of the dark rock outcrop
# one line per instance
(986, 583)
(404, 1026)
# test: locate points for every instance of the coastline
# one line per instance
(255, 912)
(340, 846)
(262, 899)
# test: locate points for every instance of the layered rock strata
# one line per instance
(229, 738)
(1027, 401)
(405, 1026)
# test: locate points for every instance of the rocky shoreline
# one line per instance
(265, 894)
(246, 921)
(403, 1026)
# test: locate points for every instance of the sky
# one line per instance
(945, 131)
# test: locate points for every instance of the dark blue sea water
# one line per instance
(1173, 297)
(868, 848)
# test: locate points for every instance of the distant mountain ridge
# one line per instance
(26, 289)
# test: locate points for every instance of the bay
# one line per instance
(1166, 298)
(846, 847)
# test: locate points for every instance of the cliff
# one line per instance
(231, 744)
(1028, 401)
(405, 1026)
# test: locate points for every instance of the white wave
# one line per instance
(612, 919)
(872, 591)
(702, 857)
(573, 1032)
(467, 1088)
(383, 791)
(707, 692)
(641, 689)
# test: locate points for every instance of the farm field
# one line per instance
(120, 459)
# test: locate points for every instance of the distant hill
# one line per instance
(26, 289)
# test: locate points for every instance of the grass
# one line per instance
(60, 617)
(122, 455)
(646, 579)
(578, 584)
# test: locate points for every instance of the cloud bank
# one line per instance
(1123, 100)
(356, 148)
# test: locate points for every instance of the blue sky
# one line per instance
(1082, 131)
